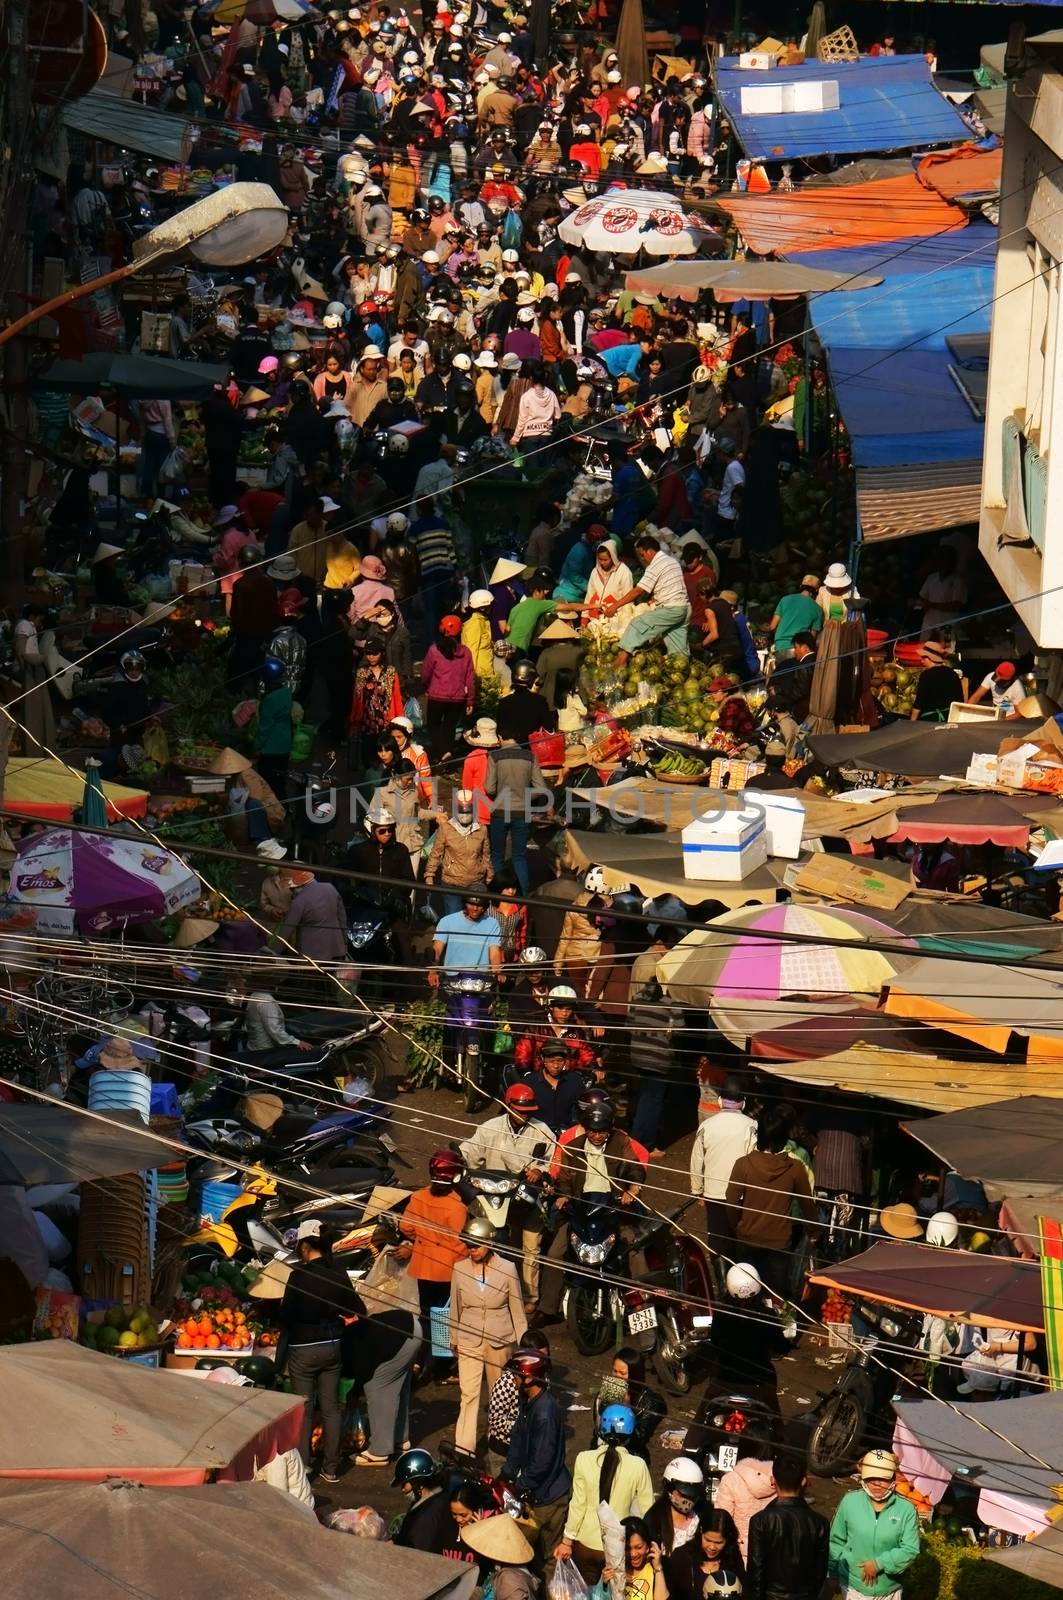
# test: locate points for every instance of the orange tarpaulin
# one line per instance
(951, 173)
(841, 217)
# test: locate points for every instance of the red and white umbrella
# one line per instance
(624, 221)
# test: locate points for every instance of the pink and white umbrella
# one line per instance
(93, 883)
(624, 221)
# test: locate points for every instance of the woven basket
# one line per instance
(840, 45)
(682, 777)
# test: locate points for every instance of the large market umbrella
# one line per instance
(748, 280)
(56, 1144)
(967, 819)
(1015, 1146)
(631, 44)
(74, 1413)
(744, 977)
(625, 221)
(97, 884)
(1016, 1465)
(967, 927)
(917, 749)
(987, 1291)
(812, 1038)
(139, 377)
(243, 1540)
(93, 805)
(922, 1078)
(51, 790)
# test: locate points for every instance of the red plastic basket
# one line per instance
(548, 748)
(877, 639)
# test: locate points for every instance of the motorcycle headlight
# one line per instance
(360, 933)
(890, 1328)
(493, 1185)
(594, 1254)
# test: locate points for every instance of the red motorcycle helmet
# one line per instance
(531, 1364)
(521, 1097)
(446, 1167)
(450, 627)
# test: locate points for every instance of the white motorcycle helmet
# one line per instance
(743, 1281)
(381, 818)
(533, 955)
(942, 1229)
(334, 315)
(398, 444)
(684, 1475)
(397, 523)
(563, 991)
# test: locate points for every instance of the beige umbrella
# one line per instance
(631, 43)
(752, 280)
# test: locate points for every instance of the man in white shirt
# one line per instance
(1004, 689)
(668, 615)
(264, 1024)
(721, 1140)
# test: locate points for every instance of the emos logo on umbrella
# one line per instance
(45, 880)
(158, 864)
(618, 219)
(667, 222)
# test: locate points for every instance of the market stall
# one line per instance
(1013, 1147)
(51, 790)
(985, 1290)
(98, 883)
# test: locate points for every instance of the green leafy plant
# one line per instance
(422, 1024)
(947, 1570)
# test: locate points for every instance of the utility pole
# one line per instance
(17, 144)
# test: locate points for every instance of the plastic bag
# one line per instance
(412, 709)
(173, 468)
(567, 1582)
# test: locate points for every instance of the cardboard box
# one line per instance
(726, 845)
(821, 94)
(775, 99)
(784, 819)
(841, 879)
(983, 768)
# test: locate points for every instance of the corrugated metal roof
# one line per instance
(132, 126)
(894, 502)
(918, 311)
(886, 103)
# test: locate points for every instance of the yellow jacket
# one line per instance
(476, 637)
(342, 566)
(631, 1494)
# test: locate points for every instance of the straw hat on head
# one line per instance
(193, 931)
(119, 1056)
(900, 1221)
(104, 552)
(558, 630)
(498, 1539)
(505, 568)
(253, 396)
(229, 763)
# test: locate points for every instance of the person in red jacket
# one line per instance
(558, 1022)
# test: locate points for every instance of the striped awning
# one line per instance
(131, 126)
(894, 502)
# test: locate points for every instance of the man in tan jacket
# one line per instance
(461, 853)
(487, 1319)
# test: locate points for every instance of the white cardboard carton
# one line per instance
(725, 846)
(819, 95)
(784, 818)
(762, 99)
(758, 60)
(775, 99)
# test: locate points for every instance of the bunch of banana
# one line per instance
(681, 766)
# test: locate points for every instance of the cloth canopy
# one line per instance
(139, 377)
(966, 927)
(975, 245)
(902, 407)
(985, 1004)
(917, 310)
(242, 1540)
(750, 280)
(968, 171)
(1016, 1492)
(988, 1291)
(807, 219)
(50, 790)
(655, 863)
(914, 1077)
(1019, 1216)
(1014, 1145)
(917, 749)
(74, 1413)
(886, 103)
(965, 819)
(673, 805)
(1039, 1559)
(116, 120)
(55, 1144)
(813, 1038)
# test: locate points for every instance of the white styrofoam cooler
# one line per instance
(784, 818)
(726, 845)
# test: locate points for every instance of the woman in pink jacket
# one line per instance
(450, 687)
(744, 1491)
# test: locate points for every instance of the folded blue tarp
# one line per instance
(886, 103)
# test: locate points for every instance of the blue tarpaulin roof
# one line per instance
(886, 103)
(975, 245)
(902, 407)
(914, 310)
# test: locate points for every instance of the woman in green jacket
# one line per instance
(874, 1537)
(273, 739)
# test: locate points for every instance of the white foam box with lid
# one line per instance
(777, 99)
(758, 60)
(784, 820)
(725, 846)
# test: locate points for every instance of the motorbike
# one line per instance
(468, 1028)
(339, 1160)
(669, 1315)
(492, 1193)
(592, 1302)
(315, 817)
(725, 1420)
(857, 1409)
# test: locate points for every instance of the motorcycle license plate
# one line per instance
(727, 1457)
(642, 1321)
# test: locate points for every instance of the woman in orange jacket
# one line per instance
(433, 1219)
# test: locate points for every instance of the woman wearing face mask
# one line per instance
(874, 1537)
(625, 1384)
(673, 1520)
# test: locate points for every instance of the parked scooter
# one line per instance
(669, 1315)
(727, 1420)
(847, 1419)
